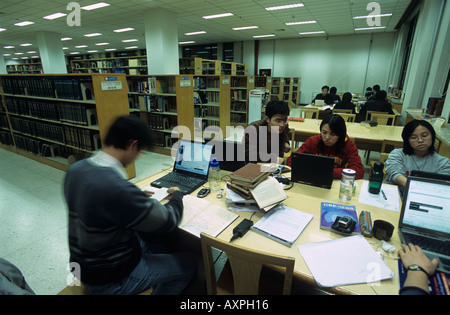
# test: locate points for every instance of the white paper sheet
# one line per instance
(391, 202)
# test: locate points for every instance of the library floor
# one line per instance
(33, 224)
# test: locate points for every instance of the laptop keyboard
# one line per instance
(432, 245)
(181, 179)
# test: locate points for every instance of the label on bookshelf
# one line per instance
(111, 86)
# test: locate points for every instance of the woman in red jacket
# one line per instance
(333, 141)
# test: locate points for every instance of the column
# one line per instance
(2, 64)
(161, 40)
(51, 51)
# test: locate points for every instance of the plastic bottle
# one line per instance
(214, 175)
(347, 180)
(376, 178)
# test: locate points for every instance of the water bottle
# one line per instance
(376, 178)
(214, 175)
(347, 180)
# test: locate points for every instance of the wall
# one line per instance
(350, 62)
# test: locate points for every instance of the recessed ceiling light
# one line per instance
(309, 33)
(92, 51)
(95, 6)
(110, 49)
(34, 56)
(24, 58)
(31, 52)
(15, 58)
(6, 55)
(18, 53)
(129, 40)
(75, 53)
(244, 28)
(24, 23)
(371, 16)
(26, 44)
(188, 42)
(93, 34)
(124, 30)
(131, 47)
(102, 44)
(66, 38)
(369, 28)
(260, 36)
(8, 47)
(299, 23)
(54, 16)
(195, 33)
(65, 48)
(81, 46)
(287, 6)
(215, 16)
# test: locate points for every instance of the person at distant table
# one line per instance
(418, 153)
(333, 91)
(376, 88)
(328, 99)
(346, 102)
(333, 141)
(380, 104)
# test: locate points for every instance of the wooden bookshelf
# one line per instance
(286, 89)
(134, 65)
(163, 102)
(239, 91)
(55, 119)
(26, 68)
(199, 66)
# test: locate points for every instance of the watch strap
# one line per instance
(417, 268)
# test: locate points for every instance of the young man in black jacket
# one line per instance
(107, 213)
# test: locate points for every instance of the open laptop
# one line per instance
(230, 154)
(310, 169)
(319, 102)
(190, 169)
(425, 218)
(417, 173)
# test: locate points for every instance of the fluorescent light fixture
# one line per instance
(65, 48)
(287, 6)
(34, 57)
(369, 28)
(6, 55)
(309, 33)
(81, 46)
(92, 51)
(102, 44)
(8, 47)
(299, 23)
(188, 42)
(24, 58)
(129, 40)
(93, 34)
(195, 33)
(31, 52)
(26, 44)
(15, 58)
(110, 49)
(124, 30)
(215, 16)
(2, 29)
(95, 6)
(75, 53)
(132, 47)
(244, 28)
(66, 38)
(372, 16)
(24, 23)
(260, 36)
(18, 53)
(54, 16)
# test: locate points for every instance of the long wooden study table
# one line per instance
(308, 199)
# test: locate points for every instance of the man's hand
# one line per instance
(171, 190)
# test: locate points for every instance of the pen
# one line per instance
(384, 195)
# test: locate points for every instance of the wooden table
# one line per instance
(308, 199)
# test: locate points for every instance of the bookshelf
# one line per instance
(239, 91)
(26, 68)
(163, 102)
(286, 89)
(134, 65)
(55, 119)
(199, 66)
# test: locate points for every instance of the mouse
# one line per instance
(203, 192)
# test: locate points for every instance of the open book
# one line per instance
(268, 194)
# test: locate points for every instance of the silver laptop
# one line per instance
(319, 102)
(425, 218)
(190, 169)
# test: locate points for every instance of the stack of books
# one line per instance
(252, 181)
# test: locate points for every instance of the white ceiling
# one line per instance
(335, 17)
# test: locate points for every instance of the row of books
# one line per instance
(153, 86)
(3, 121)
(35, 146)
(48, 87)
(153, 103)
(163, 139)
(157, 121)
(239, 95)
(205, 97)
(6, 138)
(207, 111)
(74, 113)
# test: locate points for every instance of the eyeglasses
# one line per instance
(423, 136)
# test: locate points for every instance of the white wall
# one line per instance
(340, 61)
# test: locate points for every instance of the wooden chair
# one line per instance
(245, 264)
(309, 113)
(370, 112)
(343, 111)
(383, 119)
(347, 117)
(81, 290)
(386, 147)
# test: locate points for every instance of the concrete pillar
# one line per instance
(51, 51)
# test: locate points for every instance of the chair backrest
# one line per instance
(309, 113)
(370, 112)
(246, 265)
(388, 145)
(347, 117)
(383, 119)
(344, 111)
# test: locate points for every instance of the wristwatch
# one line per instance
(417, 268)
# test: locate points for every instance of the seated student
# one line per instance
(333, 141)
(418, 153)
(346, 102)
(333, 91)
(328, 99)
(273, 127)
(375, 90)
(379, 105)
(369, 92)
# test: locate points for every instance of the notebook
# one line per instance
(230, 154)
(425, 218)
(190, 169)
(310, 169)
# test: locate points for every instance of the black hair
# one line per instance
(337, 126)
(326, 87)
(347, 97)
(369, 89)
(126, 129)
(381, 95)
(409, 129)
(277, 107)
(333, 90)
(376, 87)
